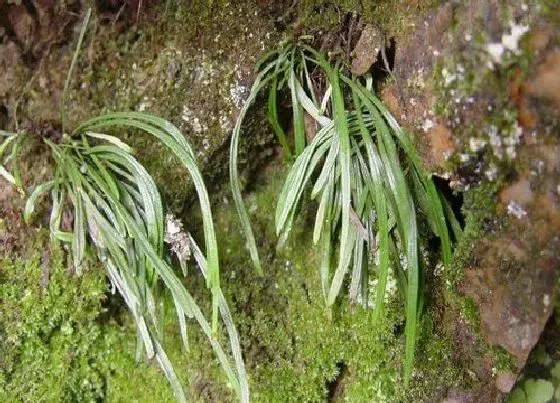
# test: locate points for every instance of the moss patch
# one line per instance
(294, 348)
(56, 343)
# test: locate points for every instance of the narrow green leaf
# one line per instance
(79, 239)
(260, 83)
(346, 236)
(324, 205)
(111, 139)
(32, 199)
(230, 327)
(72, 66)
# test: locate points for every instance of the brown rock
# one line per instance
(519, 192)
(546, 84)
(460, 396)
(390, 97)
(23, 25)
(511, 276)
(366, 50)
(539, 39)
(10, 56)
(505, 381)
(441, 144)
(525, 116)
(410, 97)
(513, 291)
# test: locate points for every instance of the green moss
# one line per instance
(63, 338)
(394, 17)
(52, 345)
(294, 349)
(479, 213)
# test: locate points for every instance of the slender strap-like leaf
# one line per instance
(374, 179)
(339, 117)
(170, 136)
(230, 327)
(72, 66)
(261, 82)
(32, 199)
(297, 110)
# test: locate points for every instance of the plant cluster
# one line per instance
(364, 171)
(348, 153)
(117, 210)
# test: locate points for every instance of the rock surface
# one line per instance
(478, 122)
(367, 49)
(451, 97)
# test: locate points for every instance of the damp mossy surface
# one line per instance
(68, 339)
(70, 328)
(295, 349)
(58, 341)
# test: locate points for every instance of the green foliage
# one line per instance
(367, 176)
(9, 153)
(117, 209)
(59, 343)
(533, 391)
(292, 346)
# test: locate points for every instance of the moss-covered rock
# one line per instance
(57, 340)
(63, 338)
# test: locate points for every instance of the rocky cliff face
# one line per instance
(475, 83)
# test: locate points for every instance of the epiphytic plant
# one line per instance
(117, 211)
(362, 168)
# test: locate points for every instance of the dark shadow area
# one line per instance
(336, 386)
(3, 117)
(379, 72)
(454, 198)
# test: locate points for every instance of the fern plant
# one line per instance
(365, 173)
(118, 211)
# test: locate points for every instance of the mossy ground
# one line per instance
(58, 342)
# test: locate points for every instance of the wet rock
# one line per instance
(539, 39)
(415, 57)
(509, 293)
(368, 47)
(514, 276)
(512, 271)
(23, 25)
(10, 57)
(43, 9)
(519, 192)
(456, 396)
